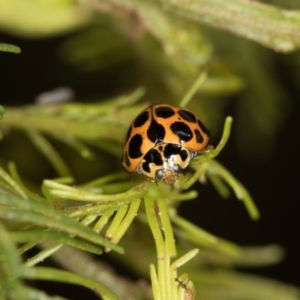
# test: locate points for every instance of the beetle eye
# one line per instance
(177, 168)
(159, 174)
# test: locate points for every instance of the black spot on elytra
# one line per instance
(173, 149)
(183, 154)
(182, 130)
(141, 119)
(134, 147)
(199, 136)
(146, 167)
(164, 112)
(156, 132)
(188, 116)
(153, 156)
(203, 128)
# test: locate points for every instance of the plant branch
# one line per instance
(81, 263)
(270, 26)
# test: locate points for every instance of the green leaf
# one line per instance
(9, 267)
(268, 25)
(45, 18)
(24, 210)
(56, 237)
(9, 48)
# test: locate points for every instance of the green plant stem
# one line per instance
(12, 168)
(167, 227)
(41, 273)
(154, 226)
(92, 209)
(50, 153)
(27, 247)
(209, 155)
(224, 138)
(9, 267)
(77, 144)
(184, 259)
(121, 212)
(126, 222)
(43, 215)
(64, 191)
(43, 235)
(103, 220)
(203, 238)
(154, 282)
(42, 255)
(239, 190)
(12, 184)
(191, 92)
(163, 275)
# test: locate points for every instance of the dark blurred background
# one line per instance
(262, 152)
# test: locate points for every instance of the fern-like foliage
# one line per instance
(63, 219)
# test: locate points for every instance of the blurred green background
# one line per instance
(102, 50)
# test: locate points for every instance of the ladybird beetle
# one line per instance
(161, 140)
